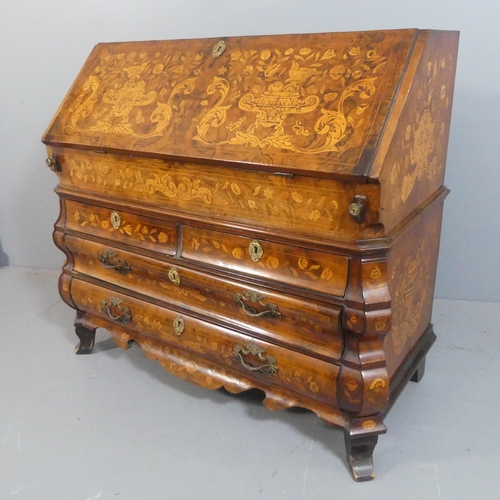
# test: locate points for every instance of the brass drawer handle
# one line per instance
(256, 251)
(104, 258)
(113, 302)
(270, 311)
(178, 325)
(269, 366)
(174, 277)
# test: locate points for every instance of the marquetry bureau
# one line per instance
(262, 212)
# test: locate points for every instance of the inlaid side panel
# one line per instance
(412, 266)
(297, 266)
(415, 163)
(303, 204)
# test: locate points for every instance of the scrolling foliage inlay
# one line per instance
(129, 83)
(281, 89)
(318, 95)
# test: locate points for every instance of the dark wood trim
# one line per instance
(85, 334)
(359, 454)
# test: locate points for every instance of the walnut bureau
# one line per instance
(262, 212)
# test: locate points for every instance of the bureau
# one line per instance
(262, 212)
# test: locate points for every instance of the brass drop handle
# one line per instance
(269, 362)
(113, 302)
(178, 325)
(120, 266)
(270, 311)
(255, 250)
(174, 277)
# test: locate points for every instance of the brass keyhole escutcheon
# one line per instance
(174, 277)
(116, 220)
(256, 251)
(218, 49)
(178, 325)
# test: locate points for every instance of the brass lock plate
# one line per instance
(173, 276)
(255, 250)
(178, 325)
(116, 220)
(218, 49)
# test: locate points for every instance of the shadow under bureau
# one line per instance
(262, 212)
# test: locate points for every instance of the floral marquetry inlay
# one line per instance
(294, 265)
(261, 101)
(126, 84)
(420, 152)
(136, 231)
(132, 229)
(411, 293)
(301, 100)
(304, 204)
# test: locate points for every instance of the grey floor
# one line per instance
(115, 425)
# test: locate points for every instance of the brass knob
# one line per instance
(357, 209)
(53, 163)
(178, 325)
(218, 49)
(116, 220)
(256, 251)
(174, 277)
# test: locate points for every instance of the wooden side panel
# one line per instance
(415, 163)
(412, 266)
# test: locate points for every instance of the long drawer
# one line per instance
(307, 325)
(253, 357)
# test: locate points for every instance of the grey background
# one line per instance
(44, 44)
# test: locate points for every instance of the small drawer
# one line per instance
(304, 324)
(299, 267)
(257, 359)
(136, 230)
